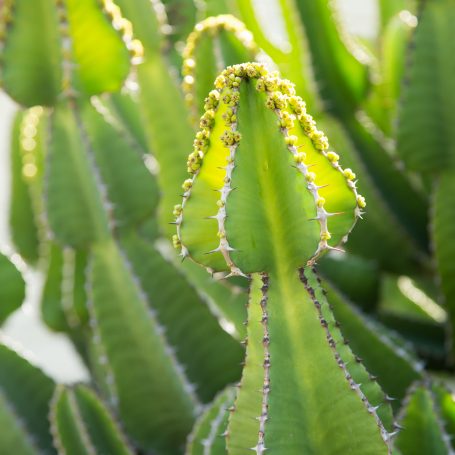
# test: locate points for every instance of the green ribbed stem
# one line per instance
(296, 358)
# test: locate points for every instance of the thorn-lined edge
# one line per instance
(231, 141)
(215, 427)
(125, 29)
(349, 357)
(19, 422)
(160, 331)
(223, 400)
(67, 286)
(260, 447)
(281, 96)
(321, 144)
(440, 422)
(68, 65)
(101, 355)
(426, 385)
(210, 26)
(80, 424)
(385, 435)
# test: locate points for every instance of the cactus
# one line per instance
(233, 161)
(97, 165)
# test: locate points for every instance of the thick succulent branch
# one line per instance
(280, 200)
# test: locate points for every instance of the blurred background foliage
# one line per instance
(109, 98)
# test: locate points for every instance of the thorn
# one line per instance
(391, 435)
(322, 186)
(213, 251)
(389, 398)
(335, 248)
(397, 426)
(335, 213)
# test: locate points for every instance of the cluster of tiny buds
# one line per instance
(211, 25)
(125, 28)
(290, 108)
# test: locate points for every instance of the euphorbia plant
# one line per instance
(266, 198)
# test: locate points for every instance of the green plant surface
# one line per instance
(214, 44)
(442, 227)
(292, 400)
(382, 103)
(157, 409)
(257, 182)
(123, 108)
(388, 9)
(356, 277)
(12, 288)
(104, 67)
(31, 52)
(130, 186)
(226, 299)
(63, 58)
(63, 299)
(291, 56)
(181, 15)
(386, 356)
(70, 177)
(445, 403)
(82, 425)
(340, 65)
(295, 209)
(150, 21)
(27, 155)
(205, 367)
(405, 200)
(23, 410)
(208, 435)
(162, 103)
(428, 101)
(423, 429)
(427, 338)
(380, 224)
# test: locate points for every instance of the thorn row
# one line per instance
(67, 287)
(260, 446)
(299, 157)
(68, 64)
(125, 29)
(230, 141)
(386, 436)
(214, 429)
